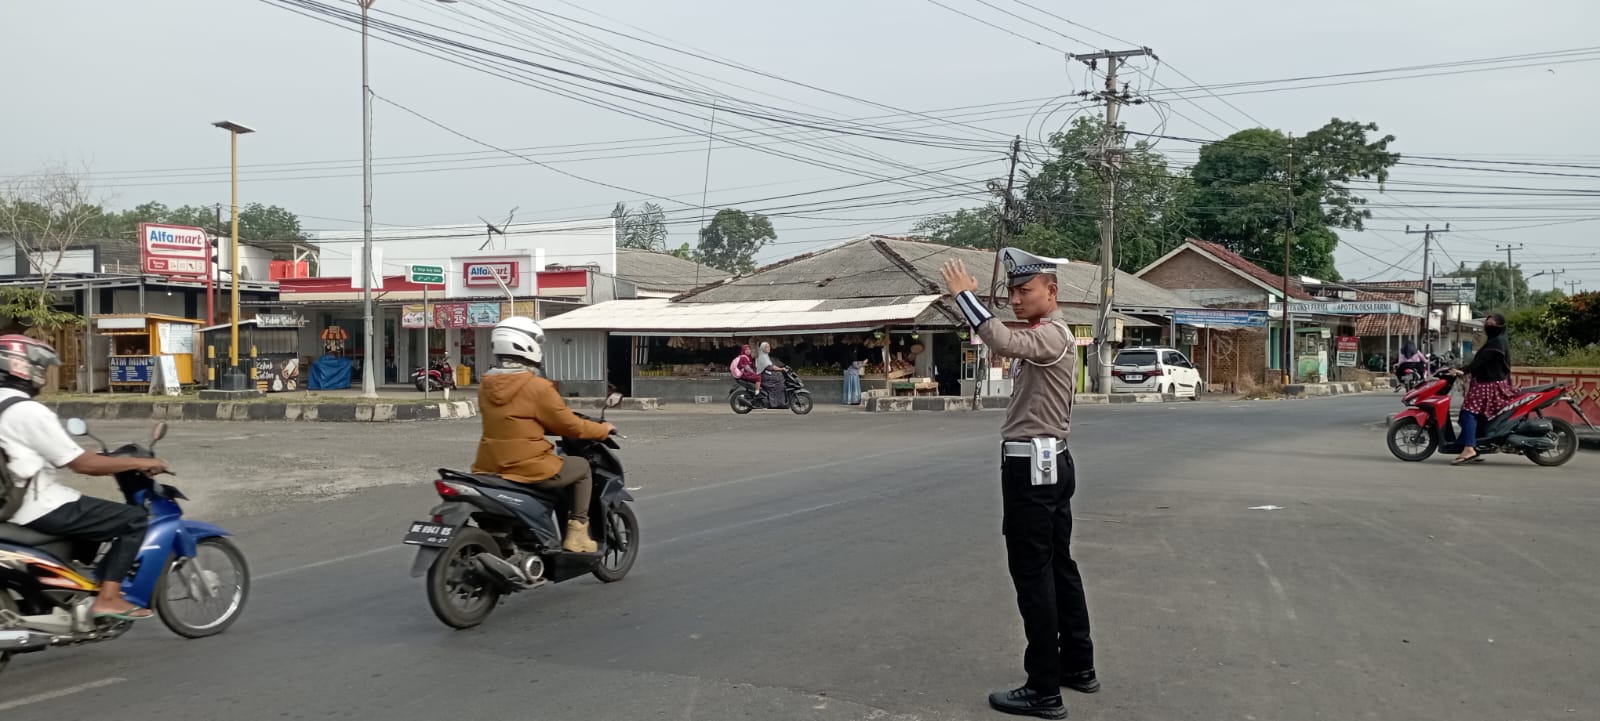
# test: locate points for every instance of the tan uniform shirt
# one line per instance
(1044, 379)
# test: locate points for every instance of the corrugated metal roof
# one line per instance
(659, 315)
(663, 271)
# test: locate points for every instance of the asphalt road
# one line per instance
(849, 566)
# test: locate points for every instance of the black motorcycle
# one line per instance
(493, 537)
(744, 398)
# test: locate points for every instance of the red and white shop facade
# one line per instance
(415, 322)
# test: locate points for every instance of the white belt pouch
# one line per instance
(1041, 455)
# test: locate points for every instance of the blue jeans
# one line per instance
(852, 389)
(1469, 429)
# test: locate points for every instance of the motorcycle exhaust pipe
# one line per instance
(21, 641)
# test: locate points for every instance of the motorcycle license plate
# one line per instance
(1133, 378)
(428, 533)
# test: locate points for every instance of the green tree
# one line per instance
(1243, 192)
(644, 229)
(44, 214)
(257, 221)
(965, 228)
(1498, 288)
(732, 239)
(1065, 199)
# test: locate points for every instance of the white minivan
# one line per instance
(1155, 370)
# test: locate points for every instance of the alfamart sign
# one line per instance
(484, 274)
(174, 250)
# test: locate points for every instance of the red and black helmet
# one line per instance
(25, 363)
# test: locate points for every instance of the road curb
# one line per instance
(265, 411)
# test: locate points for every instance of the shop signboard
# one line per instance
(174, 250)
(1220, 318)
(1352, 307)
(167, 365)
(1455, 290)
(279, 320)
(132, 369)
(490, 274)
(1348, 348)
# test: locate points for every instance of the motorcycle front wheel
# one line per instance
(202, 596)
(800, 404)
(1411, 442)
(622, 544)
(10, 606)
(1566, 440)
(457, 594)
(741, 402)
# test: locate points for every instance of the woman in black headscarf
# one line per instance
(1491, 390)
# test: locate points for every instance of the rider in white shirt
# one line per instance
(36, 445)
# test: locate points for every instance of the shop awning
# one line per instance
(659, 316)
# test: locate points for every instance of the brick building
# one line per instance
(1207, 275)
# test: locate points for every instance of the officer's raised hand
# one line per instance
(957, 279)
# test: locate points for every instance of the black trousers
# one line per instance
(96, 520)
(1038, 532)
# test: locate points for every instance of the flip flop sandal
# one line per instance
(1464, 461)
(133, 615)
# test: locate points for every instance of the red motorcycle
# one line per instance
(1427, 425)
(439, 377)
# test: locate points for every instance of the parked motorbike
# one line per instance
(492, 537)
(1427, 425)
(440, 376)
(188, 571)
(743, 398)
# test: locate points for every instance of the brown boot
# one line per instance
(578, 540)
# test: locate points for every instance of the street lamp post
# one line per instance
(234, 379)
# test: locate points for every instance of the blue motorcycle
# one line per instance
(187, 571)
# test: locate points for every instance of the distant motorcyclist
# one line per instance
(744, 368)
(764, 365)
(1411, 359)
(519, 407)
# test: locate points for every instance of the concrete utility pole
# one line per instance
(1004, 226)
(1511, 273)
(369, 383)
(1288, 233)
(1427, 270)
(1110, 160)
(1572, 286)
(1553, 273)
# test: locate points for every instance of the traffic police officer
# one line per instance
(1037, 481)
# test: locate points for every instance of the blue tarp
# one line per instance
(329, 373)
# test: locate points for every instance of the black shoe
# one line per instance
(1082, 682)
(1028, 702)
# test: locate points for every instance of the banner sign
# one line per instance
(1217, 318)
(412, 315)
(279, 320)
(1349, 307)
(132, 369)
(174, 250)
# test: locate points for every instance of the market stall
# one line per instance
(138, 343)
(269, 346)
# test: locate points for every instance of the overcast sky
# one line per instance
(128, 90)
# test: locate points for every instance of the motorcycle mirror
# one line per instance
(77, 427)
(158, 432)
(614, 400)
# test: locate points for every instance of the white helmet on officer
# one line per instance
(518, 339)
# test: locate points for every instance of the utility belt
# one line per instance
(1042, 457)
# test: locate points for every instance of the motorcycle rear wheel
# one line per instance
(1409, 432)
(457, 601)
(1566, 438)
(741, 402)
